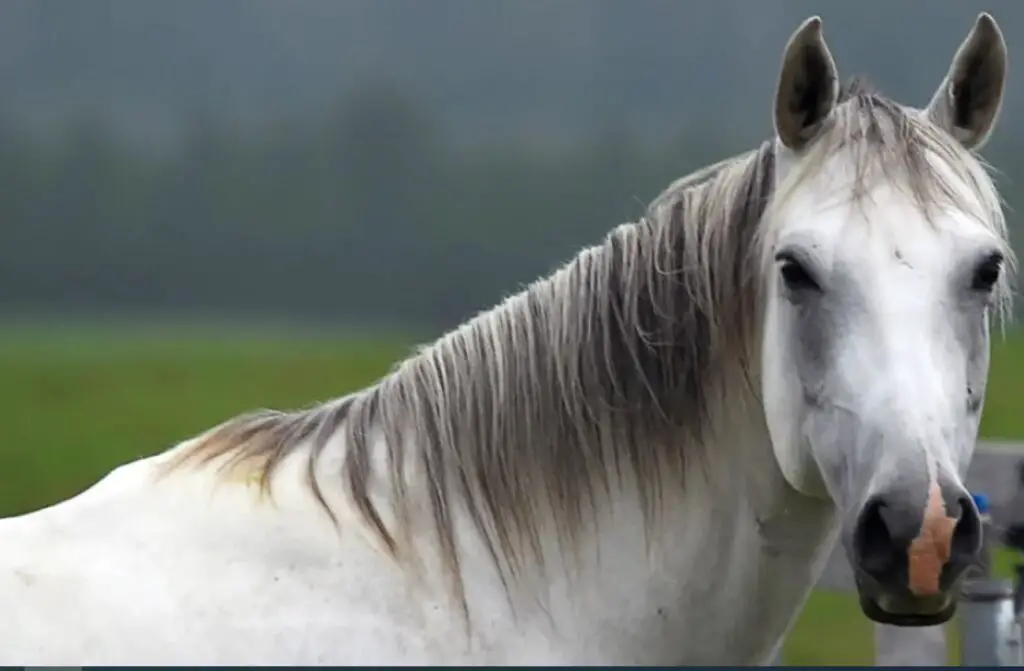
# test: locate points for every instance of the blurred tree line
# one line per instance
(370, 216)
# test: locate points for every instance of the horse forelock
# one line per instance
(615, 365)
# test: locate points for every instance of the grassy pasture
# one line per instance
(77, 402)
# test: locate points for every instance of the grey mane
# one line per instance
(615, 364)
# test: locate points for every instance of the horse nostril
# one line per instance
(873, 543)
(967, 534)
(884, 533)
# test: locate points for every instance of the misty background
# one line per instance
(390, 163)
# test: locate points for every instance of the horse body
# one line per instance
(196, 569)
(644, 458)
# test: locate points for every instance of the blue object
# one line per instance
(981, 501)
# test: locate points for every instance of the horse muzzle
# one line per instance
(910, 548)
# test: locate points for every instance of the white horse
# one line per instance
(644, 458)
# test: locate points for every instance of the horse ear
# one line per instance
(967, 103)
(808, 86)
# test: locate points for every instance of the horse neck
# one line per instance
(735, 472)
(657, 578)
(645, 574)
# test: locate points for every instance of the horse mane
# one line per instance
(613, 365)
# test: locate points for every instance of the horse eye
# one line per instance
(987, 273)
(796, 277)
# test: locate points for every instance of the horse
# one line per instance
(643, 458)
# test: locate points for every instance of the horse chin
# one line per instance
(908, 612)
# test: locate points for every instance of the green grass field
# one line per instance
(78, 402)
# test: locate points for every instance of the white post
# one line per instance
(990, 634)
(910, 646)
